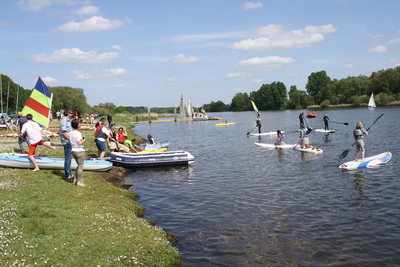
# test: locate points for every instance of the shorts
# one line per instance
(101, 146)
(112, 145)
(32, 148)
(360, 146)
(305, 141)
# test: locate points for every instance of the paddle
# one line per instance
(251, 130)
(345, 123)
(344, 153)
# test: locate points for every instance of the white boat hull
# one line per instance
(266, 133)
(309, 150)
(324, 131)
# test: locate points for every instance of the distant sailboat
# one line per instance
(182, 108)
(371, 103)
(189, 110)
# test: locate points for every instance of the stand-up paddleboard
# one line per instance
(225, 124)
(309, 150)
(324, 131)
(266, 133)
(273, 145)
(368, 162)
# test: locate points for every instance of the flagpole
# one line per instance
(8, 93)
(16, 103)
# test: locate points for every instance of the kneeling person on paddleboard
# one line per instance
(279, 138)
(304, 140)
(358, 134)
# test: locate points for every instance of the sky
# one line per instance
(149, 53)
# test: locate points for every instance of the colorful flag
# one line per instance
(39, 104)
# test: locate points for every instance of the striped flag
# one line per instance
(39, 104)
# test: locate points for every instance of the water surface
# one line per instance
(244, 205)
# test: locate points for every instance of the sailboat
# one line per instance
(182, 108)
(189, 110)
(371, 102)
(201, 116)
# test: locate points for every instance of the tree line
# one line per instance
(320, 90)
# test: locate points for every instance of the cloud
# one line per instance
(119, 86)
(37, 5)
(191, 38)
(238, 75)
(74, 55)
(273, 37)
(265, 63)
(116, 47)
(396, 40)
(378, 49)
(182, 58)
(172, 81)
(257, 81)
(104, 74)
(48, 80)
(252, 5)
(93, 24)
(87, 10)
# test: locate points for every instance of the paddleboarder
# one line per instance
(258, 124)
(304, 140)
(326, 121)
(301, 118)
(358, 134)
(280, 138)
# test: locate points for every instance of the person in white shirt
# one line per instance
(78, 152)
(34, 132)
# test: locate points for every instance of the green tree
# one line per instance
(119, 109)
(317, 82)
(240, 102)
(68, 97)
(218, 106)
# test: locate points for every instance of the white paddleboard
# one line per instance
(325, 131)
(368, 162)
(309, 150)
(266, 133)
(274, 146)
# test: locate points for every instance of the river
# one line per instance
(244, 205)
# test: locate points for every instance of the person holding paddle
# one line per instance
(326, 121)
(358, 134)
(280, 138)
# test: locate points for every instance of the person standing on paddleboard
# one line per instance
(358, 134)
(301, 118)
(326, 121)
(258, 124)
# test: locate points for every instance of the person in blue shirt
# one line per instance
(65, 128)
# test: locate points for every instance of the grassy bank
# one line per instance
(47, 221)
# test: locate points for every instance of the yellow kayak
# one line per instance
(163, 149)
(225, 124)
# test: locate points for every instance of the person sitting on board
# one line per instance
(358, 134)
(34, 132)
(280, 138)
(304, 140)
(150, 140)
(132, 146)
(326, 121)
(8, 126)
(258, 124)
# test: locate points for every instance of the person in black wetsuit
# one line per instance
(301, 118)
(326, 121)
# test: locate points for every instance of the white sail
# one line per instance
(182, 108)
(189, 111)
(371, 103)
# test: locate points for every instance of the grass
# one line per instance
(47, 221)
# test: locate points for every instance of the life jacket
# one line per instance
(121, 138)
(305, 135)
(358, 134)
(99, 133)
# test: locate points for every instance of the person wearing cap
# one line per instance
(21, 120)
